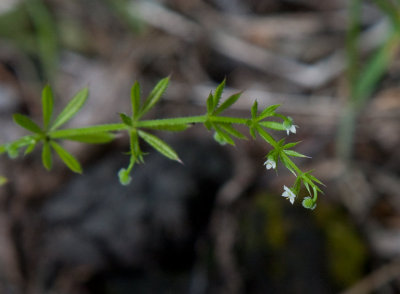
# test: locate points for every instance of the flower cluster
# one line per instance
(282, 152)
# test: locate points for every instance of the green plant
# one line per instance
(223, 126)
(362, 78)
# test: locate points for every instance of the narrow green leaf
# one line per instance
(232, 131)
(46, 156)
(210, 104)
(67, 158)
(71, 109)
(374, 69)
(273, 125)
(135, 99)
(170, 128)
(314, 179)
(228, 103)
(30, 148)
(218, 93)
(13, 147)
(287, 163)
(220, 140)
(254, 110)
(266, 136)
(155, 95)
(269, 111)
(222, 136)
(252, 131)
(208, 125)
(27, 123)
(135, 151)
(159, 145)
(126, 119)
(47, 105)
(294, 153)
(290, 145)
(98, 138)
(311, 183)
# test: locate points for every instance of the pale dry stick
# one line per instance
(290, 26)
(310, 76)
(376, 279)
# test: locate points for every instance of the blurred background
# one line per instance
(217, 224)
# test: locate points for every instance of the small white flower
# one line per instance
(288, 194)
(291, 128)
(270, 163)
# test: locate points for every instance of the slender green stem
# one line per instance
(268, 137)
(145, 123)
(87, 130)
(291, 163)
(171, 121)
(226, 119)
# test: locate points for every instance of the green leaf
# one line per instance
(27, 123)
(47, 105)
(155, 95)
(171, 128)
(208, 125)
(126, 119)
(46, 156)
(306, 179)
(273, 125)
(220, 140)
(290, 145)
(252, 131)
(71, 109)
(218, 93)
(228, 102)
(374, 70)
(294, 153)
(269, 111)
(98, 138)
(286, 162)
(159, 145)
(222, 136)
(314, 179)
(13, 147)
(67, 158)
(266, 136)
(136, 152)
(254, 110)
(231, 130)
(30, 148)
(210, 104)
(135, 99)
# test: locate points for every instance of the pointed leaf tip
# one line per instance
(47, 105)
(67, 158)
(218, 93)
(26, 123)
(159, 145)
(155, 95)
(71, 109)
